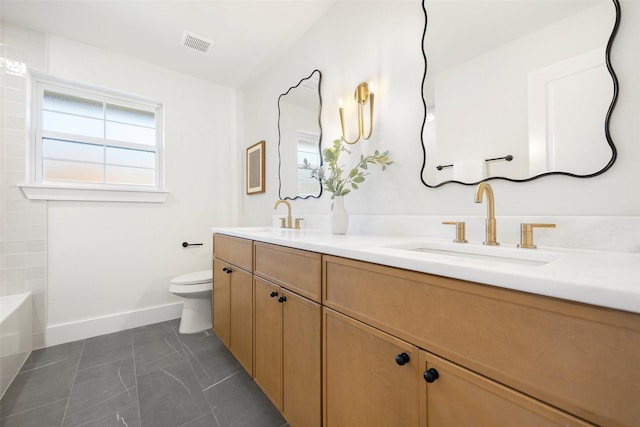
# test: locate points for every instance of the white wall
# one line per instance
(109, 264)
(386, 48)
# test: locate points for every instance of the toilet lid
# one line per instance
(194, 278)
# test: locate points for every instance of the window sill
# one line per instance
(95, 194)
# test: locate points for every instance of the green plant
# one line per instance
(331, 172)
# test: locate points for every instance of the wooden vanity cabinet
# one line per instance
(287, 330)
(492, 356)
(578, 358)
(233, 296)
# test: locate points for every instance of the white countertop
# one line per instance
(607, 279)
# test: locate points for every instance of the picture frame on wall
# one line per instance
(255, 168)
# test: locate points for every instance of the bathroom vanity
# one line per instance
(380, 331)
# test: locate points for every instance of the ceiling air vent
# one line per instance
(196, 42)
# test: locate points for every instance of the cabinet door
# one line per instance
(241, 322)
(301, 361)
(221, 301)
(459, 397)
(268, 340)
(363, 383)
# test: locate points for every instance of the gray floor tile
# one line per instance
(106, 348)
(238, 401)
(49, 355)
(170, 396)
(44, 382)
(207, 420)
(49, 415)
(210, 359)
(100, 391)
(126, 417)
(145, 377)
(156, 346)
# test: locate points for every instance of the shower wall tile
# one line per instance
(35, 260)
(14, 261)
(15, 136)
(34, 246)
(12, 248)
(23, 224)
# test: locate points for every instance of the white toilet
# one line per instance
(195, 288)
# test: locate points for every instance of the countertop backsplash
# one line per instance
(610, 233)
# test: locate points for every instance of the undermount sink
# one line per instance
(508, 254)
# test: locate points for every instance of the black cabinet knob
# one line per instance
(282, 299)
(227, 270)
(402, 358)
(224, 269)
(431, 375)
(273, 294)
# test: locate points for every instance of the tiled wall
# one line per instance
(23, 224)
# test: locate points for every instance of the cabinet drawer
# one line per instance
(293, 269)
(579, 358)
(234, 250)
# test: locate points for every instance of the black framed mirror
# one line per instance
(299, 139)
(517, 90)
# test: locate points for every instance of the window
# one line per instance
(94, 140)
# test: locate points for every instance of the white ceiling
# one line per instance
(248, 35)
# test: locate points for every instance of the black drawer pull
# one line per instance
(402, 359)
(431, 375)
(273, 294)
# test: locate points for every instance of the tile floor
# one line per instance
(144, 377)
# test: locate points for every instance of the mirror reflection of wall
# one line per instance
(526, 79)
(308, 163)
(300, 134)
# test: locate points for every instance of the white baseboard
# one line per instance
(87, 328)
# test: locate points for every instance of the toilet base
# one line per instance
(196, 315)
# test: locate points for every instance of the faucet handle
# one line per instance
(297, 223)
(526, 234)
(460, 229)
(283, 222)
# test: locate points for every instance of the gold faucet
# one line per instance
(526, 234)
(288, 223)
(482, 188)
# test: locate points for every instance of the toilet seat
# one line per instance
(194, 278)
(190, 283)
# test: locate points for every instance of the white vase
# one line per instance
(339, 217)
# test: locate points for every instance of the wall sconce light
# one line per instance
(363, 94)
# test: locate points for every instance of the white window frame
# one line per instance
(36, 189)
